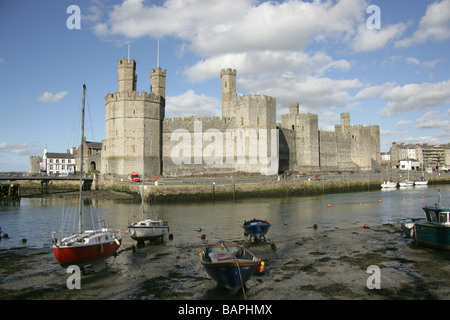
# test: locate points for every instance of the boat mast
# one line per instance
(143, 169)
(80, 206)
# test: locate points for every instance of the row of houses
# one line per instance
(417, 157)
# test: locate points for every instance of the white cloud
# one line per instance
(372, 92)
(17, 148)
(397, 60)
(190, 103)
(212, 27)
(256, 63)
(412, 97)
(435, 25)
(52, 98)
(434, 120)
(372, 39)
(403, 123)
(313, 93)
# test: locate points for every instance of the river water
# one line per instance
(35, 219)
(174, 265)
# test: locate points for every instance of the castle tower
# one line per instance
(345, 121)
(128, 113)
(127, 75)
(228, 78)
(158, 82)
(293, 107)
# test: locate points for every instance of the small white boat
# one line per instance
(421, 182)
(146, 228)
(406, 183)
(389, 184)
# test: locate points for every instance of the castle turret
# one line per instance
(345, 120)
(293, 107)
(158, 82)
(228, 78)
(127, 75)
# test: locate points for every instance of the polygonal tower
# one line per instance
(128, 113)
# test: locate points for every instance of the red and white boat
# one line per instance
(91, 247)
(88, 247)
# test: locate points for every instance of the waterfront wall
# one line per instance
(210, 192)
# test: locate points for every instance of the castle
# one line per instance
(245, 139)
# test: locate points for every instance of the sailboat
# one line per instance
(86, 247)
(146, 229)
(422, 181)
(407, 182)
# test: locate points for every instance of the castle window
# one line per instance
(242, 121)
(226, 82)
(293, 127)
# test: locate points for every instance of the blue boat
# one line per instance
(230, 264)
(435, 231)
(256, 228)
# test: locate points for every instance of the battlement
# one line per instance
(124, 62)
(301, 116)
(255, 98)
(131, 95)
(158, 71)
(191, 119)
(228, 71)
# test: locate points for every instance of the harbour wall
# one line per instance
(192, 193)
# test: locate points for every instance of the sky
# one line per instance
(385, 62)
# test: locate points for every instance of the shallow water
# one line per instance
(35, 219)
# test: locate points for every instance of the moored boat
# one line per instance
(389, 184)
(229, 264)
(406, 183)
(86, 247)
(90, 247)
(147, 228)
(421, 182)
(256, 228)
(408, 226)
(435, 231)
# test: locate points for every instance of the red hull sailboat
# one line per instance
(88, 247)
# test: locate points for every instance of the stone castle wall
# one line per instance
(245, 139)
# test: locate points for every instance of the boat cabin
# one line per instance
(438, 215)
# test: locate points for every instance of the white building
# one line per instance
(61, 164)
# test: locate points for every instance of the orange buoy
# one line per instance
(329, 205)
(421, 197)
(366, 226)
(379, 201)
